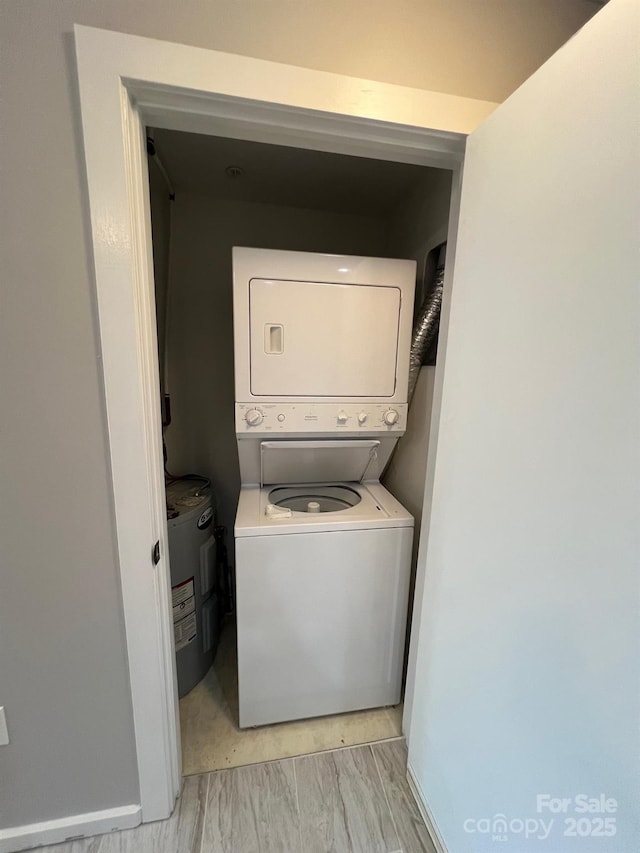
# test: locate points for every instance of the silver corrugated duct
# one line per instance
(425, 329)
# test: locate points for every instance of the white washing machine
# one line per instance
(323, 550)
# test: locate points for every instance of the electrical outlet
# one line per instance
(4, 732)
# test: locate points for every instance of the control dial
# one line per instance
(390, 417)
(254, 417)
(342, 417)
(362, 418)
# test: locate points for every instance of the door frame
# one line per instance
(125, 84)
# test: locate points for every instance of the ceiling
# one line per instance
(281, 175)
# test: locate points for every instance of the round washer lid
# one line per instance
(314, 499)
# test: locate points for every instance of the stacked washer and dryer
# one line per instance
(323, 550)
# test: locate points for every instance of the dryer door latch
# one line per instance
(155, 553)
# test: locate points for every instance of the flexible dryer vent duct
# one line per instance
(426, 326)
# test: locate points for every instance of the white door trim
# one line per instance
(125, 83)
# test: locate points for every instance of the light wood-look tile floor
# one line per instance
(212, 740)
(353, 800)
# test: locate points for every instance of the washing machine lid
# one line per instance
(318, 461)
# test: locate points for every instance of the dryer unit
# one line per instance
(322, 549)
(320, 329)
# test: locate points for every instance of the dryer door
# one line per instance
(318, 339)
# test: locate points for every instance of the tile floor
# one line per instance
(353, 800)
(211, 739)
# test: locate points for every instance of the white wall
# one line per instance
(479, 50)
(201, 437)
(62, 658)
(527, 672)
(405, 476)
(418, 226)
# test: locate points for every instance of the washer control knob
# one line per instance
(362, 418)
(254, 417)
(390, 417)
(342, 417)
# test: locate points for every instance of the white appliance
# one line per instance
(322, 549)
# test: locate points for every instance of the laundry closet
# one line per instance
(209, 195)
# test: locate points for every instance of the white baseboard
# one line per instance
(17, 838)
(425, 812)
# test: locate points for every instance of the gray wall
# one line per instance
(161, 211)
(420, 223)
(63, 672)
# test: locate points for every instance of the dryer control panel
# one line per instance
(335, 418)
